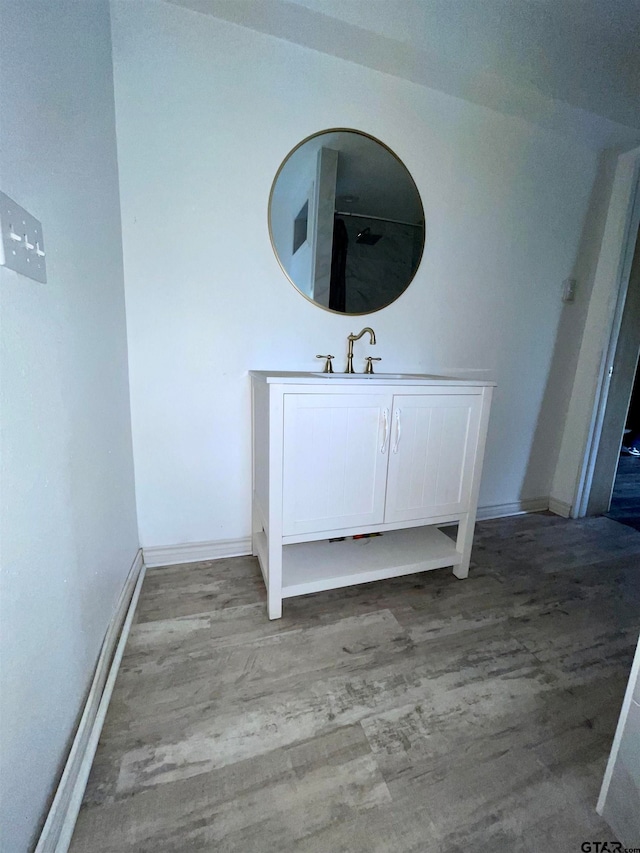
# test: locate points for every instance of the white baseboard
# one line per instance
(195, 552)
(61, 820)
(560, 507)
(516, 508)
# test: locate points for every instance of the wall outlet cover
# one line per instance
(22, 241)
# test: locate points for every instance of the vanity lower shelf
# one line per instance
(315, 566)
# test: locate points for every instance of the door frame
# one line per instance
(608, 363)
(621, 373)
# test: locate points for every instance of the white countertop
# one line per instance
(295, 377)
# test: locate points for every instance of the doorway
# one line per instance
(615, 488)
(625, 498)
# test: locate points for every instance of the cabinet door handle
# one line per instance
(385, 436)
(398, 431)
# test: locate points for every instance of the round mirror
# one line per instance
(346, 222)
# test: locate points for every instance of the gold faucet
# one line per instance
(351, 339)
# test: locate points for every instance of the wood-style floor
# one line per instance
(423, 714)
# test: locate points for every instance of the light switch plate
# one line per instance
(22, 246)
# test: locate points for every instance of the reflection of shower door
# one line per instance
(382, 258)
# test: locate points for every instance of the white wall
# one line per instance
(68, 506)
(206, 111)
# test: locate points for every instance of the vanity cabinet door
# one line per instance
(335, 451)
(432, 454)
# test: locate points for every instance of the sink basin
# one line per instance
(379, 376)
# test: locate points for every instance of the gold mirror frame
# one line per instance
(418, 196)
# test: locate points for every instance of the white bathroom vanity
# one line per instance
(337, 455)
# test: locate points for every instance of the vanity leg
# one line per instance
(274, 586)
(274, 606)
(464, 543)
(256, 527)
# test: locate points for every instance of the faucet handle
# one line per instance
(328, 368)
(370, 359)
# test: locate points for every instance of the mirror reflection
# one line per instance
(346, 222)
